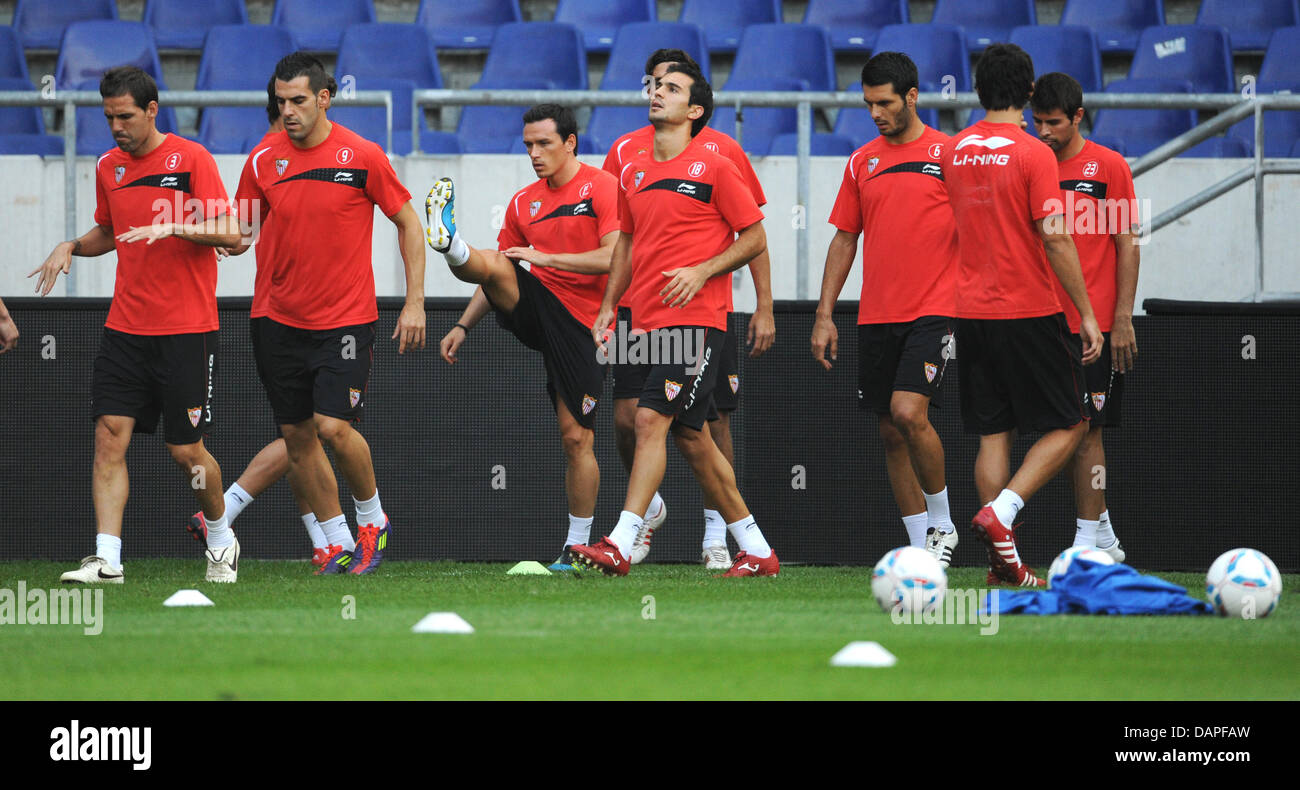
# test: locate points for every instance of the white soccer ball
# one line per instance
(1243, 583)
(909, 579)
(1062, 563)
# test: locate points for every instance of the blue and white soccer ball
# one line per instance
(1062, 563)
(909, 579)
(1243, 583)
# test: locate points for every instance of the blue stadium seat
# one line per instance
(238, 57)
(1144, 130)
(370, 123)
(41, 22)
(1067, 48)
(724, 20)
(548, 55)
(1295, 151)
(599, 20)
(1249, 22)
(318, 25)
(466, 24)
(89, 49)
(1281, 127)
(855, 122)
(183, 24)
(1218, 148)
(634, 44)
(20, 120)
(854, 24)
(1113, 143)
(761, 124)
(1197, 53)
(13, 62)
(31, 145)
(821, 145)
(986, 22)
(937, 50)
(1117, 23)
(1282, 59)
(93, 137)
(389, 50)
(440, 143)
(805, 55)
(607, 124)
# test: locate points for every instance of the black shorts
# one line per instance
(909, 356)
(147, 376)
(1104, 393)
(683, 391)
(1022, 373)
(314, 371)
(542, 322)
(629, 379)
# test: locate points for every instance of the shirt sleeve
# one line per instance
(612, 165)
(207, 187)
(733, 199)
(846, 215)
(625, 221)
(250, 202)
(1042, 181)
(511, 234)
(103, 214)
(604, 199)
(382, 186)
(740, 159)
(1123, 181)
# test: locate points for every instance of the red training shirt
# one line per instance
(1099, 202)
(895, 196)
(680, 213)
(170, 286)
(265, 254)
(570, 219)
(1001, 182)
(323, 201)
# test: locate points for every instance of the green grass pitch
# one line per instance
(280, 633)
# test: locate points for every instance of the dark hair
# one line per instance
(890, 68)
(701, 92)
(565, 123)
(300, 64)
(1004, 77)
(129, 80)
(272, 106)
(1057, 91)
(668, 56)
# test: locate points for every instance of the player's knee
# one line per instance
(577, 441)
(625, 419)
(693, 445)
(186, 456)
(909, 418)
(331, 429)
(890, 436)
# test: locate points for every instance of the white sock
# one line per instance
(916, 525)
(337, 532)
(579, 530)
(109, 549)
(236, 500)
(750, 538)
(1105, 533)
(1085, 532)
(1006, 506)
(369, 512)
(624, 533)
(219, 534)
(715, 529)
(936, 509)
(656, 504)
(314, 531)
(457, 253)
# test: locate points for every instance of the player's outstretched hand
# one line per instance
(824, 333)
(148, 233)
(410, 328)
(683, 284)
(451, 343)
(762, 331)
(601, 331)
(8, 334)
(60, 260)
(1123, 345)
(528, 254)
(1092, 340)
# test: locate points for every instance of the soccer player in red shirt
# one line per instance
(762, 332)
(905, 324)
(1019, 365)
(161, 205)
(1101, 214)
(546, 283)
(686, 218)
(319, 183)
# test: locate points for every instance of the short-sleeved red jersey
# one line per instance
(168, 287)
(322, 201)
(895, 196)
(265, 254)
(570, 219)
(1099, 203)
(1001, 183)
(680, 213)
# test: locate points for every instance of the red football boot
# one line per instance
(604, 556)
(747, 564)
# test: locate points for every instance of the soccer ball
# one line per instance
(1061, 565)
(909, 579)
(1243, 583)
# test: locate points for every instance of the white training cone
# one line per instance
(863, 654)
(442, 623)
(188, 598)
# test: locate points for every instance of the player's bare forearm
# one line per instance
(839, 262)
(620, 272)
(760, 270)
(1123, 339)
(477, 308)
(590, 262)
(410, 322)
(96, 241)
(748, 244)
(220, 231)
(1063, 257)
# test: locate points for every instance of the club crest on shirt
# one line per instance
(1098, 400)
(671, 388)
(118, 172)
(588, 403)
(871, 164)
(195, 414)
(534, 207)
(636, 179)
(354, 396)
(1090, 169)
(585, 190)
(280, 166)
(734, 381)
(931, 370)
